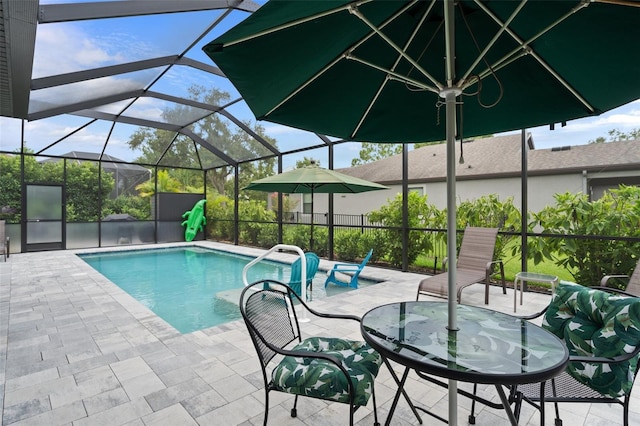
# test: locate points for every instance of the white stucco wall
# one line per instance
(541, 193)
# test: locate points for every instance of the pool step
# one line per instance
(227, 300)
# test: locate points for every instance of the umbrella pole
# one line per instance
(311, 243)
(449, 94)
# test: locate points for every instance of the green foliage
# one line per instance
(164, 148)
(138, 207)
(82, 189)
(300, 235)
(220, 217)
(616, 135)
(348, 244)
(372, 239)
(617, 213)
(489, 211)
(166, 183)
(252, 215)
(257, 227)
(351, 245)
(10, 201)
(420, 215)
(371, 152)
(83, 192)
(307, 162)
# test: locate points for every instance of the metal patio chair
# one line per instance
(475, 265)
(633, 281)
(327, 368)
(295, 280)
(601, 330)
(4, 241)
(346, 274)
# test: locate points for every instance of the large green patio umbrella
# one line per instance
(405, 70)
(310, 180)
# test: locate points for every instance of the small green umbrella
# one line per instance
(310, 180)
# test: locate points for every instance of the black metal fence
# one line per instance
(434, 249)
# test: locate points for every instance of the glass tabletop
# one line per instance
(534, 276)
(489, 347)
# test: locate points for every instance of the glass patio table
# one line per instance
(489, 348)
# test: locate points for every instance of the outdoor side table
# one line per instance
(521, 277)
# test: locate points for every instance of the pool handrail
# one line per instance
(303, 260)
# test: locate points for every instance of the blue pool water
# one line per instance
(191, 288)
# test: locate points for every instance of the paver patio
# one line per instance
(77, 350)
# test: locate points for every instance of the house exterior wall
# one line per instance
(541, 193)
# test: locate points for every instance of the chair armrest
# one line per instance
(339, 264)
(606, 360)
(345, 267)
(606, 278)
(305, 354)
(490, 266)
(321, 314)
(302, 354)
(613, 290)
(532, 316)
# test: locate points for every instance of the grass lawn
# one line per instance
(512, 265)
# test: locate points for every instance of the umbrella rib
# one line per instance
(493, 41)
(631, 3)
(392, 74)
(397, 48)
(345, 55)
(293, 23)
(525, 47)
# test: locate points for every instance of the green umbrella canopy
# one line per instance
(310, 180)
(313, 180)
(373, 70)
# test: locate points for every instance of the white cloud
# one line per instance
(579, 132)
(65, 48)
(278, 129)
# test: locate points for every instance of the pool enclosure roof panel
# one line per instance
(136, 65)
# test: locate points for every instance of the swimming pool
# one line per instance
(191, 288)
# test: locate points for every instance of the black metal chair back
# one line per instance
(269, 317)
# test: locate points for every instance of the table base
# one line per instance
(505, 401)
(522, 277)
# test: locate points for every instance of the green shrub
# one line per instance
(617, 213)
(220, 217)
(254, 216)
(372, 239)
(348, 245)
(489, 211)
(300, 235)
(420, 213)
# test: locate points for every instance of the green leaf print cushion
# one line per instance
(596, 323)
(323, 379)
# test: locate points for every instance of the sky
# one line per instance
(73, 46)
(581, 131)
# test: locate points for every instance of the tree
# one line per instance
(161, 147)
(616, 135)
(85, 186)
(166, 183)
(307, 162)
(371, 152)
